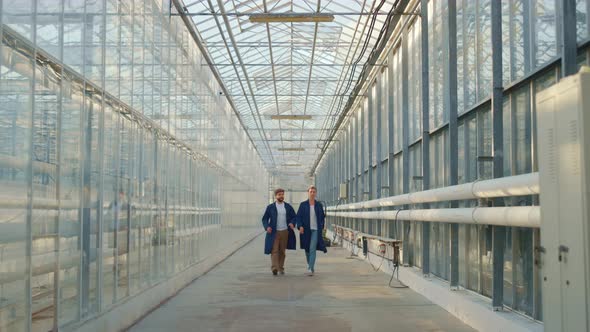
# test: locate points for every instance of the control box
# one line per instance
(563, 130)
(343, 193)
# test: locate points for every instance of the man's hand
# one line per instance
(269, 230)
(292, 226)
(300, 230)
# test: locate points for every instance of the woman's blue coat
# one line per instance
(303, 220)
(269, 219)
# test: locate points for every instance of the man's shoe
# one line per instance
(309, 273)
(283, 272)
(274, 272)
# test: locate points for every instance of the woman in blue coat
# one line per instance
(311, 222)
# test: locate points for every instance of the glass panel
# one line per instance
(513, 37)
(508, 269)
(523, 265)
(17, 15)
(70, 191)
(485, 254)
(417, 226)
(15, 150)
(545, 31)
(385, 179)
(73, 36)
(385, 91)
(484, 138)
(112, 203)
(49, 25)
(463, 263)
(473, 269)
(471, 150)
(438, 52)
(484, 63)
(416, 167)
(397, 83)
(507, 138)
(414, 82)
(522, 131)
(582, 19)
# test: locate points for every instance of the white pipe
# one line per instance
(54, 204)
(519, 185)
(20, 163)
(516, 216)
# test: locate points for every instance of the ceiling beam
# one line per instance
(274, 77)
(299, 14)
(292, 64)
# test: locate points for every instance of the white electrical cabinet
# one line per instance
(563, 130)
(343, 194)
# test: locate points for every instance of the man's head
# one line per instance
(312, 192)
(280, 195)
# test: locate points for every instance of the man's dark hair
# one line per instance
(279, 190)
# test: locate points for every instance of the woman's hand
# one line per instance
(300, 230)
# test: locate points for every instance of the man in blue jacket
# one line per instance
(279, 222)
(311, 222)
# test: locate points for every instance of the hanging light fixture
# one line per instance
(291, 18)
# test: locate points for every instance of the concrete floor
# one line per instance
(242, 295)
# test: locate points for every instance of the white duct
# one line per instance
(518, 216)
(19, 163)
(519, 185)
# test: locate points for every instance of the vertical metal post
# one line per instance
(453, 134)
(567, 20)
(99, 208)
(127, 205)
(101, 152)
(28, 236)
(363, 163)
(370, 114)
(57, 242)
(58, 185)
(357, 161)
(86, 203)
(499, 232)
(391, 138)
(425, 134)
(351, 171)
(405, 145)
(379, 157)
(139, 222)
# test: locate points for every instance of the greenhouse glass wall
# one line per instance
(121, 161)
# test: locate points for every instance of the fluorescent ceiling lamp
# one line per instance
(291, 149)
(290, 17)
(291, 165)
(290, 117)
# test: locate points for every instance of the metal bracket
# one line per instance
(562, 250)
